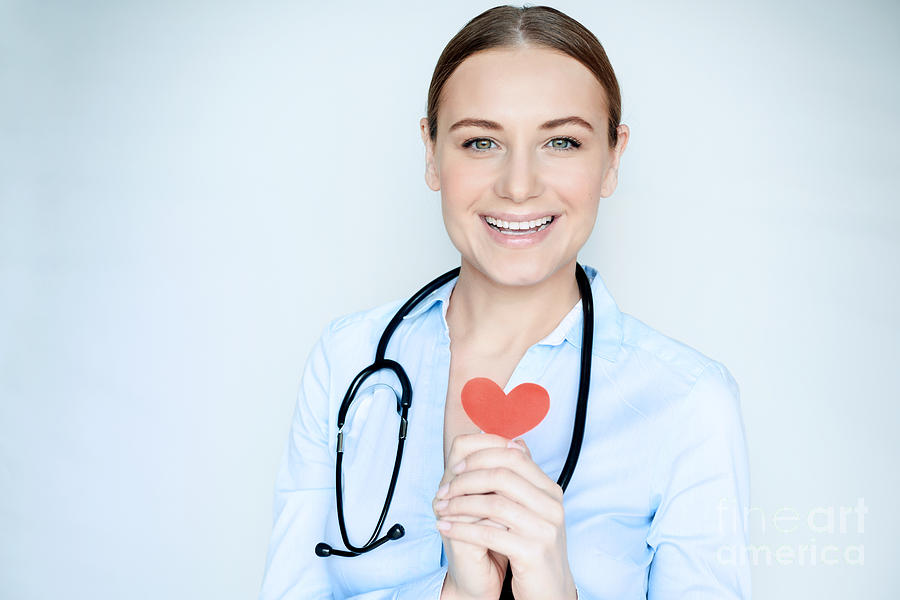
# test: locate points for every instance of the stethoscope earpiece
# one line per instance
(396, 532)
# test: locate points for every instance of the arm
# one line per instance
(702, 486)
(304, 490)
(304, 494)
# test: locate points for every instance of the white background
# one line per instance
(190, 191)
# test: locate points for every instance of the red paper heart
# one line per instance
(509, 415)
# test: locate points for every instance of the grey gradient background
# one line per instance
(190, 191)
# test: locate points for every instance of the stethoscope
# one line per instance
(405, 400)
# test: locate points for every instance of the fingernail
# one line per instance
(441, 504)
(442, 525)
(442, 491)
(516, 445)
(460, 467)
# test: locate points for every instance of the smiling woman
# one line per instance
(522, 139)
(521, 135)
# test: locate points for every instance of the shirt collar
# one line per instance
(607, 317)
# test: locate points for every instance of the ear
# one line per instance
(611, 177)
(432, 178)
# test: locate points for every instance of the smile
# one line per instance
(519, 227)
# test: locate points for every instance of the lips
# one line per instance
(524, 227)
(535, 229)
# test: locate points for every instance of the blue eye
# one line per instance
(567, 143)
(478, 144)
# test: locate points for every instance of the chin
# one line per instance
(517, 270)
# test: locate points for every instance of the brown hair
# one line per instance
(508, 26)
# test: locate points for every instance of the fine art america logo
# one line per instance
(822, 535)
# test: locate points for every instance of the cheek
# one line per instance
(464, 182)
(578, 184)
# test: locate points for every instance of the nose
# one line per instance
(518, 179)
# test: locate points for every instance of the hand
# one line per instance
(506, 486)
(474, 571)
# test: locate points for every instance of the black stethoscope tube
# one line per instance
(405, 401)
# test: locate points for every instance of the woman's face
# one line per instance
(522, 137)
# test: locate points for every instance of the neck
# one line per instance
(492, 318)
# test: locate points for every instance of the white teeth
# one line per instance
(520, 227)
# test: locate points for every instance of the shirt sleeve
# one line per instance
(304, 494)
(304, 490)
(701, 482)
(425, 588)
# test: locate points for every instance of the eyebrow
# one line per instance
(552, 124)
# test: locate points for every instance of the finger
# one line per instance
(498, 508)
(508, 483)
(474, 520)
(521, 444)
(471, 519)
(466, 443)
(514, 460)
(499, 540)
(465, 518)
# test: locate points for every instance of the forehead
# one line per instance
(521, 85)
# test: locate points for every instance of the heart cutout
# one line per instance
(509, 415)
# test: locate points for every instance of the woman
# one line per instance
(522, 139)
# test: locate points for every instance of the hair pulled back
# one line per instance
(510, 26)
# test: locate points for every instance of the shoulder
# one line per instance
(354, 323)
(352, 337)
(685, 381)
(691, 402)
(664, 352)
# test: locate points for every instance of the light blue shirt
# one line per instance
(655, 505)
